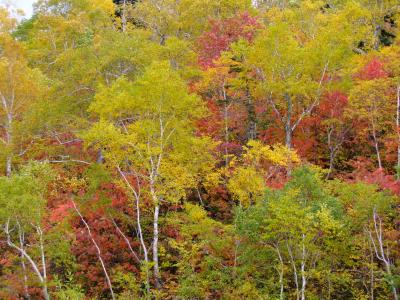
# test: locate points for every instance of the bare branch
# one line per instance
(97, 249)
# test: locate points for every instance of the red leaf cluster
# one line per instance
(222, 34)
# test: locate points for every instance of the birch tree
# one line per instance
(20, 87)
(370, 105)
(298, 54)
(22, 198)
(294, 227)
(146, 129)
(381, 250)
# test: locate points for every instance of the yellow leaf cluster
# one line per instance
(247, 185)
(247, 180)
(256, 152)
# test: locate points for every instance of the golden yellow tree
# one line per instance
(146, 129)
(20, 87)
(250, 171)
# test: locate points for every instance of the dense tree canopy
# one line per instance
(200, 149)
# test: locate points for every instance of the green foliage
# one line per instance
(360, 199)
(127, 283)
(203, 246)
(68, 290)
(306, 223)
(22, 195)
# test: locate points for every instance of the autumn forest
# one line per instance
(200, 149)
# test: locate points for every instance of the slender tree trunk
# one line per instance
(303, 272)
(289, 129)
(376, 144)
(23, 266)
(8, 165)
(251, 117)
(377, 32)
(9, 139)
(97, 249)
(226, 133)
(145, 252)
(380, 253)
(288, 123)
(100, 157)
(23, 252)
(128, 243)
(157, 282)
(254, 3)
(372, 277)
(281, 273)
(123, 16)
(331, 159)
(8, 123)
(199, 196)
(331, 153)
(296, 280)
(136, 195)
(156, 268)
(43, 259)
(392, 283)
(226, 123)
(235, 259)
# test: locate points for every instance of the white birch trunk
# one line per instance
(378, 245)
(97, 249)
